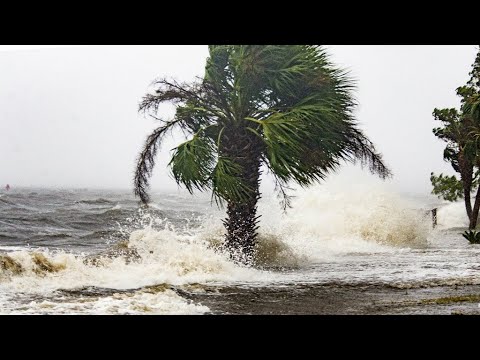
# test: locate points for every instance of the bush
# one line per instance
(472, 236)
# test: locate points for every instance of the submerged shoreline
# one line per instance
(340, 300)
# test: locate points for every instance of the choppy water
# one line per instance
(98, 252)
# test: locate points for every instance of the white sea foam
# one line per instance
(165, 302)
(166, 258)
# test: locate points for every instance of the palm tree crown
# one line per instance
(285, 107)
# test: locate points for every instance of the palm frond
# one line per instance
(227, 182)
(309, 141)
(146, 162)
(193, 162)
(359, 148)
(198, 95)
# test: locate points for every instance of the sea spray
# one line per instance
(452, 215)
(324, 221)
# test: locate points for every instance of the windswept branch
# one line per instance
(166, 91)
(364, 151)
(199, 94)
(146, 162)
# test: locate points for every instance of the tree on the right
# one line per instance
(461, 131)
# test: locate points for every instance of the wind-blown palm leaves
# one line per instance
(285, 107)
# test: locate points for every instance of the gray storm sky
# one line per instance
(68, 116)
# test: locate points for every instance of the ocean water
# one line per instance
(81, 251)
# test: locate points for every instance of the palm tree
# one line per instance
(283, 107)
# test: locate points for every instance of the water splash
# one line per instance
(324, 222)
(452, 215)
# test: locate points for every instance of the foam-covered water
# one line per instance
(81, 251)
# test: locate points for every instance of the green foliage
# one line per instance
(294, 104)
(446, 187)
(226, 180)
(461, 131)
(472, 236)
(471, 96)
(192, 162)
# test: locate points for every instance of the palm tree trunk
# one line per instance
(241, 225)
(242, 220)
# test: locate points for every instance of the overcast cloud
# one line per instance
(68, 117)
